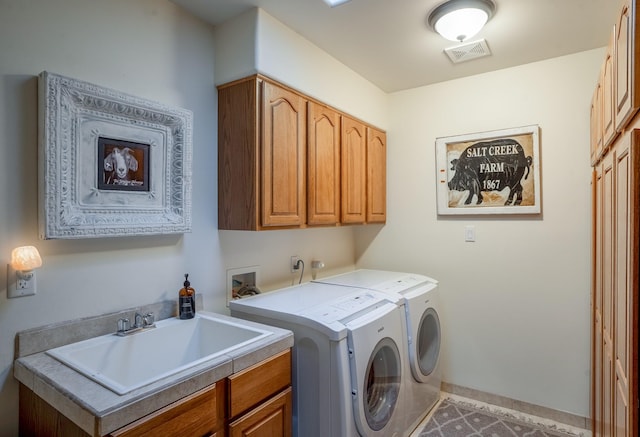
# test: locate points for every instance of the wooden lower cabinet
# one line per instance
(272, 418)
(254, 402)
(260, 399)
(38, 418)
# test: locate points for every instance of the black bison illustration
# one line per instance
(491, 166)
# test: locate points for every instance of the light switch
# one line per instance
(470, 233)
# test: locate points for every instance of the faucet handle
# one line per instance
(123, 324)
(148, 320)
(137, 320)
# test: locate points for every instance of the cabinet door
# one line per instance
(608, 221)
(595, 120)
(323, 165)
(202, 413)
(251, 386)
(626, 68)
(625, 281)
(376, 176)
(283, 157)
(273, 418)
(354, 173)
(608, 113)
(597, 350)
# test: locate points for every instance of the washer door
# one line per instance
(376, 350)
(427, 345)
(381, 384)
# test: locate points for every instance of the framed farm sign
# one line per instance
(496, 172)
(110, 164)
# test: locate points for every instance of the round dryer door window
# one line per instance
(382, 384)
(428, 344)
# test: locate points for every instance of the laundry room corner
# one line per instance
(515, 302)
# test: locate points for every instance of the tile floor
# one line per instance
(456, 416)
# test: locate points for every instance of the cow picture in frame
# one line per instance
(495, 172)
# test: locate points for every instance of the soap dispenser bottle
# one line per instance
(187, 300)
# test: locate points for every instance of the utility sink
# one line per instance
(123, 364)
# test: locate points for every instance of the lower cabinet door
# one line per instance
(272, 418)
(199, 414)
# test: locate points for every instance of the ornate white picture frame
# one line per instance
(495, 172)
(110, 164)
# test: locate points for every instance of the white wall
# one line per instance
(515, 316)
(153, 49)
(283, 55)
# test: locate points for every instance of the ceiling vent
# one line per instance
(468, 51)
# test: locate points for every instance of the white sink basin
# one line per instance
(123, 364)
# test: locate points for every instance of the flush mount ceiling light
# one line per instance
(333, 3)
(458, 20)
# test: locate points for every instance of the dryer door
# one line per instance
(426, 347)
(376, 351)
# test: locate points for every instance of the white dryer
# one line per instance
(423, 335)
(349, 356)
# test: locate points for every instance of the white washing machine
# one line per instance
(423, 336)
(349, 356)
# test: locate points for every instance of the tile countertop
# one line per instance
(98, 410)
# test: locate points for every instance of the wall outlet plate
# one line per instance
(17, 287)
(294, 263)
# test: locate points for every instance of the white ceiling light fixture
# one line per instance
(334, 3)
(458, 20)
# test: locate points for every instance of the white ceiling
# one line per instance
(389, 43)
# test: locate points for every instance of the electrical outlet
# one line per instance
(17, 287)
(294, 263)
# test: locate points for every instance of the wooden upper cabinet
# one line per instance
(354, 172)
(238, 155)
(283, 160)
(286, 160)
(261, 156)
(627, 65)
(376, 176)
(608, 113)
(323, 165)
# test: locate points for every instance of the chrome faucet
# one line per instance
(140, 323)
